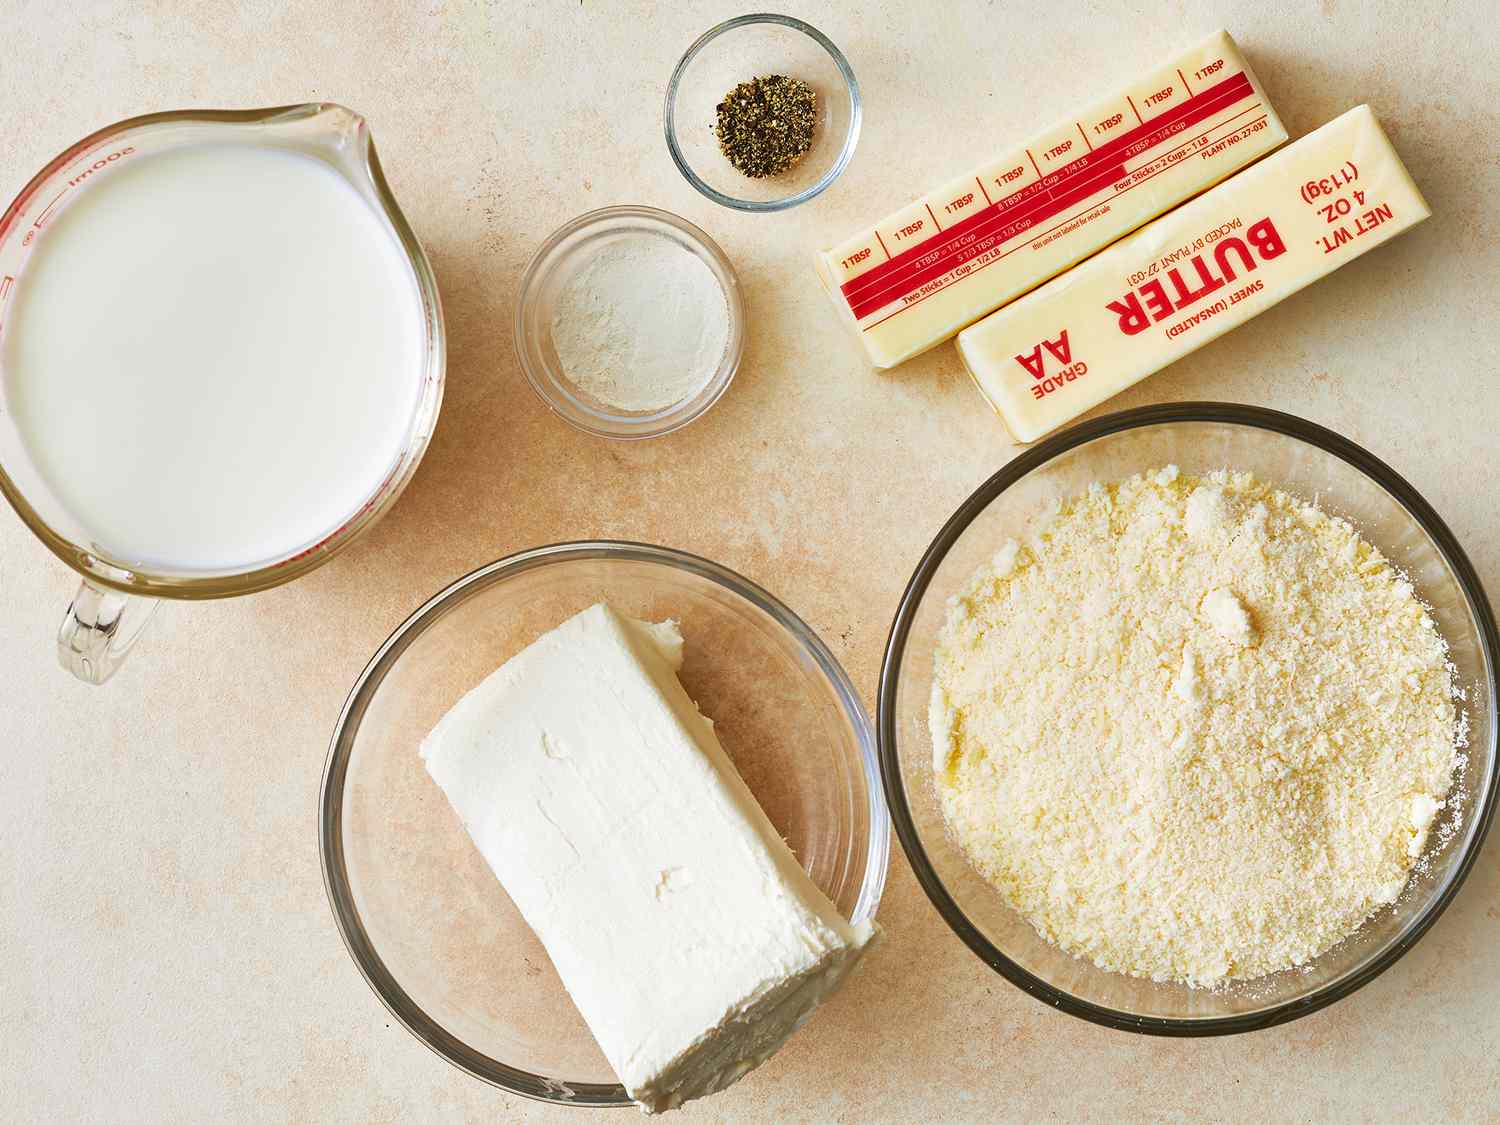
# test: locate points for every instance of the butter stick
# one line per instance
(942, 262)
(1193, 275)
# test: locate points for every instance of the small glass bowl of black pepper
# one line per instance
(762, 113)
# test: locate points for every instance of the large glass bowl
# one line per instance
(427, 922)
(1197, 437)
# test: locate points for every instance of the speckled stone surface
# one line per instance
(166, 953)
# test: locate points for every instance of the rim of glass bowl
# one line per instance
(1023, 465)
(601, 423)
(851, 136)
(335, 774)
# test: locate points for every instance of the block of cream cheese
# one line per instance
(949, 258)
(1193, 275)
(682, 925)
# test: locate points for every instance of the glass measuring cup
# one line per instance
(115, 597)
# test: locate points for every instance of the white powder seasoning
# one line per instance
(1195, 729)
(642, 325)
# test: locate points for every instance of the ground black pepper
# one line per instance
(766, 125)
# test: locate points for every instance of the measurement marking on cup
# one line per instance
(102, 162)
(47, 210)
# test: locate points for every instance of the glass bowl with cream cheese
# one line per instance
(1282, 451)
(423, 915)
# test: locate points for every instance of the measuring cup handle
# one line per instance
(98, 630)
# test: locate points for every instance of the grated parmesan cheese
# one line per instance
(1193, 729)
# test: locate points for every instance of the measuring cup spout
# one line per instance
(327, 130)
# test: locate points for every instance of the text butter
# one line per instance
(929, 270)
(1193, 275)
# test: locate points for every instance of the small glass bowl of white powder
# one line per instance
(629, 323)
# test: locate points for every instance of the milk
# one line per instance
(213, 356)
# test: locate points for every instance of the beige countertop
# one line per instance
(166, 951)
